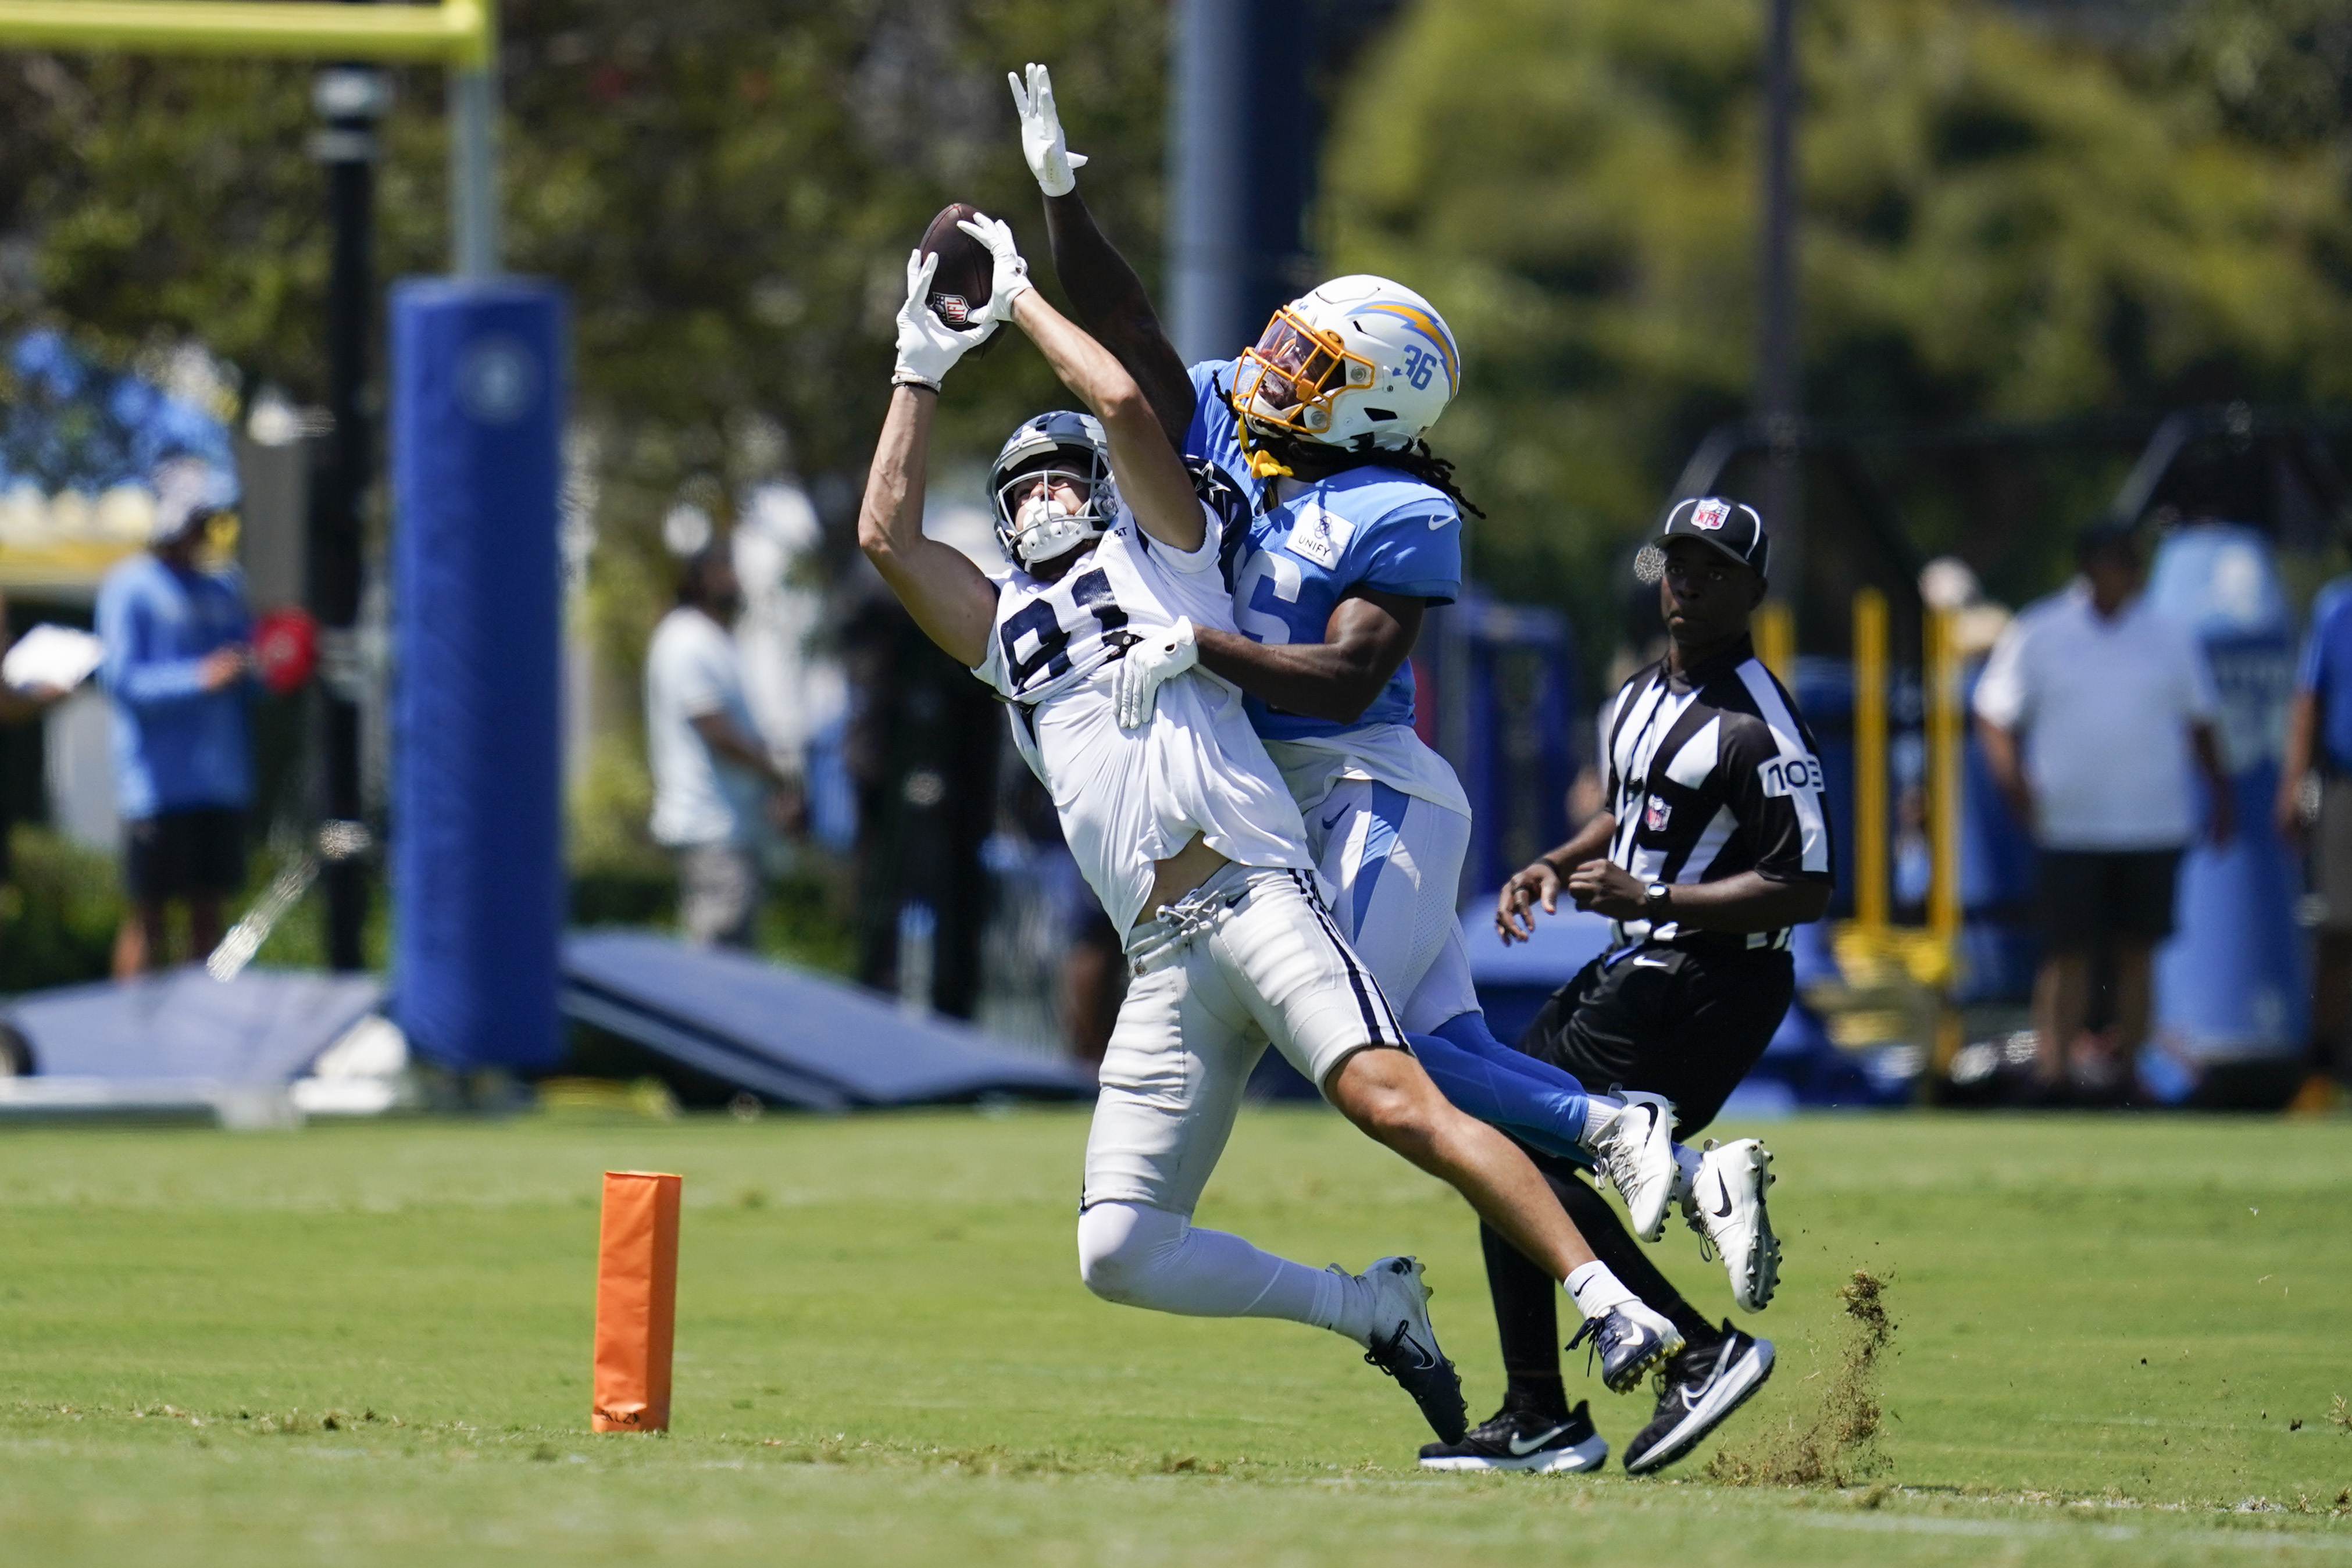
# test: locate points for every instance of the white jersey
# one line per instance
(1128, 798)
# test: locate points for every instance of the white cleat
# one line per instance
(1629, 1339)
(1726, 1206)
(1637, 1153)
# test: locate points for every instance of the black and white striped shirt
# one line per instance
(1711, 772)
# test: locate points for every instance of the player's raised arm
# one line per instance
(951, 599)
(1152, 478)
(1104, 290)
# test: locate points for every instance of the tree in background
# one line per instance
(729, 189)
(2000, 221)
(2279, 71)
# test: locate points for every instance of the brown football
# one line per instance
(962, 284)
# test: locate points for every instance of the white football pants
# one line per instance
(1248, 956)
(1395, 861)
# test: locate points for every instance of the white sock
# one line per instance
(1600, 1110)
(1686, 1173)
(1595, 1290)
(1146, 1257)
(1343, 1303)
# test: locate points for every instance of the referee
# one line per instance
(1714, 844)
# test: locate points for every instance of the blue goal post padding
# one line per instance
(477, 406)
(789, 1035)
(266, 1026)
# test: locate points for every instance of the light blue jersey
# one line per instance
(1373, 526)
(1215, 436)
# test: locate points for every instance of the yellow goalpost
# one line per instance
(457, 32)
(460, 33)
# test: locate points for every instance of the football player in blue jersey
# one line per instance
(1356, 530)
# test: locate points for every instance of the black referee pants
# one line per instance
(1684, 1023)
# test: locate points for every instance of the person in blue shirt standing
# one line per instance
(179, 668)
(2319, 739)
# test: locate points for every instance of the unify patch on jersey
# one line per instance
(1318, 536)
(1788, 775)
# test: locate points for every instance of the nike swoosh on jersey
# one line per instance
(1522, 1446)
(1334, 817)
(1638, 963)
(1435, 524)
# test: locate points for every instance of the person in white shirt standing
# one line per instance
(713, 774)
(2094, 709)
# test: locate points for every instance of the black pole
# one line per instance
(352, 99)
(1779, 400)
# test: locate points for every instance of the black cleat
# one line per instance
(1513, 1440)
(1698, 1389)
(1405, 1347)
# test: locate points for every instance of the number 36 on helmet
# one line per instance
(1361, 362)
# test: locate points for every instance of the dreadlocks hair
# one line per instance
(1432, 470)
(1417, 460)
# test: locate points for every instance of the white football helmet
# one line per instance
(1068, 451)
(1361, 362)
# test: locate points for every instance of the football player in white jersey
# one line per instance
(1185, 831)
(1355, 530)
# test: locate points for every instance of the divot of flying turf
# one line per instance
(1836, 1443)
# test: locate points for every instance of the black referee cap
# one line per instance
(1732, 527)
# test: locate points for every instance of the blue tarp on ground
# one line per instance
(266, 1026)
(789, 1035)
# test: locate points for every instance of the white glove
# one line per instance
(1050, 158)
(928, 347)
(1135, 688)
(1011, 279)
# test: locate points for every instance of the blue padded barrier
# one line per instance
(265, 1027)
(789, 1035)
(478, 407)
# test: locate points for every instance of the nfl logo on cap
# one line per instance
(1729, 525)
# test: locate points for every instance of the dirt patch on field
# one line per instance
(1837, 1443)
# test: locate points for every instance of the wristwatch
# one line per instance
(1654, 902)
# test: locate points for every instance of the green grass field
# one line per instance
(370, 1344)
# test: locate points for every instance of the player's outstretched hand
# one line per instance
(1011, 279)
(928, 347)
(1135, 687)
(1050, 158)
(1514, 911)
